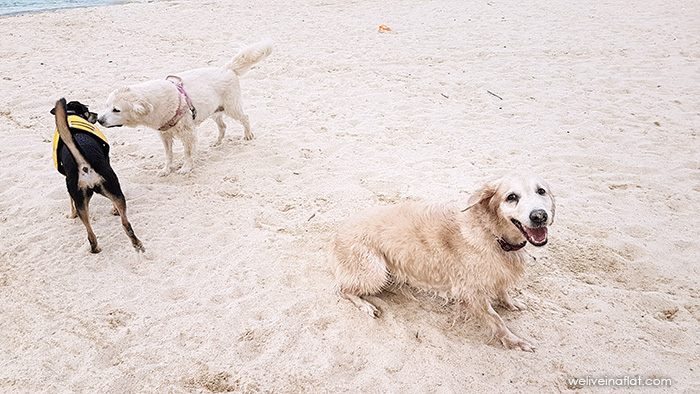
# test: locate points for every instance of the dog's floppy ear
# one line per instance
(482, 195)
(142, 107)
(77, 107)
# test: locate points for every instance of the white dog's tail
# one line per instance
(249, 56)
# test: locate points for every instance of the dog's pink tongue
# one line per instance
(536, 236)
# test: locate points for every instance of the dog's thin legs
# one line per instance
(73, 213)
(509, 302)
(238, 114)
(222, 128)
(168, 145)
(498, 327)
(84, 215)
(113, 191)
(248, 135)
(120, 205)
(189, 149)
(189, 142)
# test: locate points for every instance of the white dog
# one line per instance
(470, 255)
(178, 104)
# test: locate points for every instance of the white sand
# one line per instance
(600, 98)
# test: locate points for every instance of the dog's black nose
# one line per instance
(538, 217)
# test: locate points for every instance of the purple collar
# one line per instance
(177, 81)
(510, 248)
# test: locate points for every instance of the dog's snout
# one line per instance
(538, 217)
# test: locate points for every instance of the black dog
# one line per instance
(82, 155)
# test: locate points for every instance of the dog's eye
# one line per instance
(512, 197)
(116, 110)
(541, 191)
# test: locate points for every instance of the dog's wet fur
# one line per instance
(87, 169)
(470, 255)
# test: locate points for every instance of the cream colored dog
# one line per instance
(470, 255)
(177, 105)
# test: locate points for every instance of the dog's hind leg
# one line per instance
(236, 112)
(247, 134)
(81, 207)
(120, 204)
(73, 213)
(361, 272)
(361, 304)
(112, 190)
(218, 118)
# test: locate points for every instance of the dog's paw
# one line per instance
(524, 346)
(248, 136)
(95, 249)
(184, 170)
(516, 305)
(517, 343)
(72, 215)
(371, 310)
(165, 171)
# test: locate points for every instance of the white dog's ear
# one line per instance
(142, 108)
(482, 195)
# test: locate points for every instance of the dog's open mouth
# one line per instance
(536, 236)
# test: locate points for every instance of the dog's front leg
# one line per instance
(168, 145)
(188, 144)
(509, 302)
(498, 327)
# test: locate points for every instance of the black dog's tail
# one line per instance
(86, 175)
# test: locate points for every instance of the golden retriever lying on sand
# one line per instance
(471, 255)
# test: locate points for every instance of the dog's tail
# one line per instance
(249, 56)
(85, 171)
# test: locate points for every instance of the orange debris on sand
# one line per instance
(384, 28)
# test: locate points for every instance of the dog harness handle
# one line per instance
(77, 125)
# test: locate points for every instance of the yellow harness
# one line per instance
(76, 122)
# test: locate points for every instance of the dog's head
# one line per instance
(79, 109)
(520, 207)
(124, 108)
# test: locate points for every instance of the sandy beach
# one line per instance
(234, 293)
